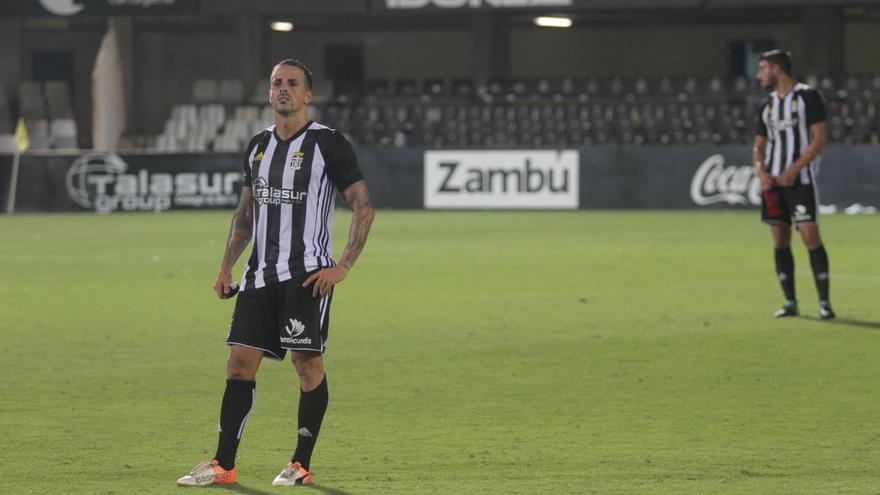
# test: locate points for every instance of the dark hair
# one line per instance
(781, 58)
(296, 63)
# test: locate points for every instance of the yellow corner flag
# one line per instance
(22, 142)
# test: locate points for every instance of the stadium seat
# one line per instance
(205, 91)
(231, 91)
(7, 125)
(434, 87)
(463, 87)
(716, 86)
(63, 132)
(666, 86)
(406, 87)
(58, 100)
(378, 88)
(32, 104)
(642, 86)
(38, 133)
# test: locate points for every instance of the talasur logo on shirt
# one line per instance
(778, 125)
(264, 194)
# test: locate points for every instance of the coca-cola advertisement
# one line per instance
(715, 182)
(713, 177)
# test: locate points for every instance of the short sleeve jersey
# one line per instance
(294, 183)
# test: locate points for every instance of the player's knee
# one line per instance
(811, 237)
(813, 243)
(239, 369)
(782, 244)
(308, 367)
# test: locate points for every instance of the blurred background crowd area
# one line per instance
(190, 76)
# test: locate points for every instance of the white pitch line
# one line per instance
(843, 276)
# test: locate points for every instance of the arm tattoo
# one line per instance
(358, 198)
(239, 233)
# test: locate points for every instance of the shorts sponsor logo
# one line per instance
(99, 182)
(502, 179)
(713, 183)
(294, 330)
(265, 194)
(801, 213)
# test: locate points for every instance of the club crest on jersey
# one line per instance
(295, 160)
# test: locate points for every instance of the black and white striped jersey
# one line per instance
(293, 183)
(786, 124)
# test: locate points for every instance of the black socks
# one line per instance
(312, 406)
(238, 400)
(819, 262)
(785, 271)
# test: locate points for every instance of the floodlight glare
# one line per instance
(557, 22)
(284, 27)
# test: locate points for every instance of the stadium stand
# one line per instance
(524, 112)
(7, 127)
(62, 126)
(47, 112)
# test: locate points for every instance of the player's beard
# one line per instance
(284, 109)
(771, 84)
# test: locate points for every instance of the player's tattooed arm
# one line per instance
(239, 235)
(241, 230)
(358, 197)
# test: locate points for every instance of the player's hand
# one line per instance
(788, 176)
(767, 180)
(325, 279)
(222, 286)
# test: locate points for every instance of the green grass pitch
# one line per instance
(469, 353)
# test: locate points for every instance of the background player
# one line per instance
(791, 132)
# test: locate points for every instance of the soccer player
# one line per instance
(791, 132)
(283, 304)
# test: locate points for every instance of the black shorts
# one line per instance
(281, 317)
(782, 204)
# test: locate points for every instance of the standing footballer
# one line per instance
(791, 132)
(291, 172)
